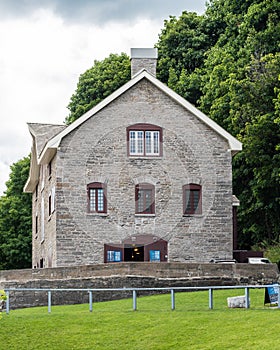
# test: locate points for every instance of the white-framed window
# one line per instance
(144, 140)
(144, 143)
(136, 142)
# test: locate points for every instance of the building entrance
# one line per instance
(137, 248)
(133, 253)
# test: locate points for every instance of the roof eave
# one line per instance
(234, 145)
(55, 141)
(33, 173)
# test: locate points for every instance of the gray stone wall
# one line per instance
(127, 275)
(44, 240)
(97, 151)
(138, 64)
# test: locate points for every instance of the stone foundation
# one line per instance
(126, 275)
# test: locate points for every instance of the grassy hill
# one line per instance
(114, 325)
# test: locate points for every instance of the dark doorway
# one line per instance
(137, 248)
(133, 253)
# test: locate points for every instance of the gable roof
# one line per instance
(51, 146)
(42, 133)
(234, 144)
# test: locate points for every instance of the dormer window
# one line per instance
(144, 140)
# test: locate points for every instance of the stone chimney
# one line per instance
(143, 58)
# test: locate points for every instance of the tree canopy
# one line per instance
(16, 220)
(235, 81)
(97, 83)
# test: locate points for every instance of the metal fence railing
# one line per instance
(172, 290)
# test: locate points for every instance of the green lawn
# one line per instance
(114, 325)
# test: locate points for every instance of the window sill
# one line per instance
(144, 157)
(193, 215)
(98, 214)
(145, 215)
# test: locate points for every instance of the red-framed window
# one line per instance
(192, 199)
(144, 140)
(144, 199)
(97, 197)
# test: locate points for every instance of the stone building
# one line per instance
(142, 176)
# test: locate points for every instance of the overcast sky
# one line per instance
(46, 44)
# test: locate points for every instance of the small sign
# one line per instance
(154, 255)
(271, 295)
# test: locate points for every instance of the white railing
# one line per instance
(134, 291)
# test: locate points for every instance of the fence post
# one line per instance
(172, 299)
(278, 296)
(210, 298)
(49, 301)
(134, 300)
(247, 298)
(7, 302)
(90, 301)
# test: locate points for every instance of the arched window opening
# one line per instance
(144, 199)
(144, 140)
(192, 201)
(97, 197)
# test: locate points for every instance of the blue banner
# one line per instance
(271, 294)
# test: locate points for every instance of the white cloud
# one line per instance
(42, 56)
(101, 12)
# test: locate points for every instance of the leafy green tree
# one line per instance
(16, 220)
(240, 80)
(251, 31)
(235, 81)
(97, 83)
(255, 97)
(181, 47)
